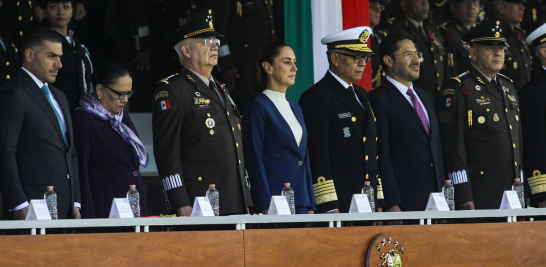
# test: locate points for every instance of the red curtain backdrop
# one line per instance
(355, 14)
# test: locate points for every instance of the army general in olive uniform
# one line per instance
(427, 39)
(196, 126)
(480, 128)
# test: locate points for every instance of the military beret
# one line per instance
(197, 27)
(489, 32)
(353, 40)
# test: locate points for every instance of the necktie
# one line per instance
(353, 93)
(419, 109)
(213, 88)
(45, 90)
(422, 30)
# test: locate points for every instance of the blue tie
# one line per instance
(45, 90)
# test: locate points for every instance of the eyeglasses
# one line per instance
(209, 41)
(410, 55)
(358, 58)
(377, 8)
(121, 95)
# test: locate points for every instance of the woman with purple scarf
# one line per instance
(109, 150)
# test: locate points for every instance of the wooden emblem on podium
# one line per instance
(386, 250)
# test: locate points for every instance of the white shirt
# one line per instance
(404, 90)
(59, 110)
(283, 106)
(346, 85)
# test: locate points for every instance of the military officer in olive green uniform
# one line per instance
(465, 14)
(517, 58)
(480, 128)
(196, 126)
(427, 39)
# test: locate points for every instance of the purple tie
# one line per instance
(419, 109)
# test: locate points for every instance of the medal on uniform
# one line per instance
(346, 132)
(496, 117)
(517, 118)
(197, 94)
(478, 88)
(210, 124)
(481, 119)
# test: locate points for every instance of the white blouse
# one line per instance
(283, 106)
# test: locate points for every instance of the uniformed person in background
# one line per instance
(517, 63)
(465, 14)
(196, 126)
(533, 123)
(480, 128)
(246, 26)
(10, 60)
(341, 130)
(378, 73)
(428, 40)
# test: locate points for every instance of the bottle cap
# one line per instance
(212, 185)
(286, 184)
(132, 186)
(49, 187)
(517, 179)
(366, 182)
(448, 181)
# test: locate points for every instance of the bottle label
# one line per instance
(202, 207)
(510, 200)
(38, 210)
(279, 206)
(437, 202)
(121, 209)
(360, 204)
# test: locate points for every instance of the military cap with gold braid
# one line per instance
(201, 25)
(352, 40)
(489, 32)
(538, 36)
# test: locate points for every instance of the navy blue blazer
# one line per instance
(272, 155)
(410, 161)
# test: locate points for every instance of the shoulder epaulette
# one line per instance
(456, 78)
(389, 21)
(380, 32)
(504, 76)
(166, 80)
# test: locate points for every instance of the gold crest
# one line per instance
(392, 258)
(497, 34)
(162, 93)
(210, 123)
(385, 251)
(210, 24)
(449, 92)
(364, 36)
(496, 117)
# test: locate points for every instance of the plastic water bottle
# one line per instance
(51, 199)
(288, 193)
(368, 191)
(134, 200)
(449, 193)
(214, 199)
(518, 187)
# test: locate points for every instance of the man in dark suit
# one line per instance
(196, 126)
(341, 126)
(478, 111)
(410, 157)
(427, 39)
(532, 98)
(36, 147)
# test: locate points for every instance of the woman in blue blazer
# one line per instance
(274, 134)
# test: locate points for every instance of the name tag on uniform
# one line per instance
(344, 115)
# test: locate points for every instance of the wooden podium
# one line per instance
(494, 244)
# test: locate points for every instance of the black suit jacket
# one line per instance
(410, 161)
(342, 143)
(33, 154)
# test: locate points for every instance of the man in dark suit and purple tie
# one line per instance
(410, 156)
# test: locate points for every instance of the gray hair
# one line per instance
(178, 49)
(537, 49)
(329, 55)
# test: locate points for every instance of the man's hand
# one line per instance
(465, 206)
(394, 208)
(229, 78)
(21, 214)
(541, 204)
(39, 14)
(266, 211)
(142, 60)
(79, 12)
(310, 212)
(184, 211)
(334, 211)
(77, 214)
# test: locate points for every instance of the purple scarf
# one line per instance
(90, 104)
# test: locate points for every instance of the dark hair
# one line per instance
(35, 38)
(257, 76)
(389, 45)
(43, 3)
(109, 73)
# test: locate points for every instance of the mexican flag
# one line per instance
(306, 22)
(165, 104)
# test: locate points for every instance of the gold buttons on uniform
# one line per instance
(199, 179)
(239, 161)
(239, 125)
(437, 74)
(364, 139)
(510, 127)
(432, 49)
(516, 163)
(246, 45)
(20, 18)
(506, 109)
(376, 138)
(31, 18)
(435, 61)
(7, 63)
(481, 172)
(487, 110)
(353, 119)
(21, 33)
(232, 129)
(17, 3)
(367, 176)
(469, 56)
(7, 77)
(272, 32)
(208, 115)
(237, 144)
(270, 16)
(227, 113)
(376, 158)
(366, 157)
(514, 145)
